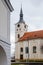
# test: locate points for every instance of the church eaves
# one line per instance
(9, 5)
(31, 35)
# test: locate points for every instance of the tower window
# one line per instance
(18, 25)
(27, 50)
(41, 49)
(34, 49)
(17, 29)
(20, 28)
(18, 36)
(25, 26)
(21, 49)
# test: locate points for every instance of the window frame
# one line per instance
(25, 26)
(21, 49)
(41, 49)
(18, 35)
(27, 50)
(34, 49)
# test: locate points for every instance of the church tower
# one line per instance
(20, 27)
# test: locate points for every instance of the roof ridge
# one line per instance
(32, 35)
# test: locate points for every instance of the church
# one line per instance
(5, 46)
(28, 45)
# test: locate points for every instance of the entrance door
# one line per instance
(21, 56)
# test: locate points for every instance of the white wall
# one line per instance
(4, 21)
(17, 49)
(21, 32)
(5, 31)
(25, 44)
(41, 44)
(34, 42)
(18, 45)
(30, 43)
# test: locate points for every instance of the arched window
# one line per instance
(18, 36)
(41, 49)
(27, 50)
(34, 49)
(21, 49)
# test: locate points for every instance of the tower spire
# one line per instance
(21, 14)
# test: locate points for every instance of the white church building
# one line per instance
(5, 9)
(28, 45)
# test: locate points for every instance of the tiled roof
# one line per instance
(32, 35)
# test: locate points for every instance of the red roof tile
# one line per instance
(31, 35)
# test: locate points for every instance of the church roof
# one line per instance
(21, 20)
(9, 5)
(32, 35)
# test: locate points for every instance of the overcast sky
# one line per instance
(33, 16)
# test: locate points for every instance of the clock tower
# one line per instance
(20, 27)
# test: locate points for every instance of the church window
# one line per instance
(18, 25)
(25, 26)
(21, 49)
(20, 28)
(41, 49)
(34, 49)
(18, 36)
(17, 29)
(27, 50)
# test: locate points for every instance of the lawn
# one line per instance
(17, 64)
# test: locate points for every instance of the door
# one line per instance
(21, 56)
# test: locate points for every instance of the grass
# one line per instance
(31, 60)
(14, 64)
(17, 64)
